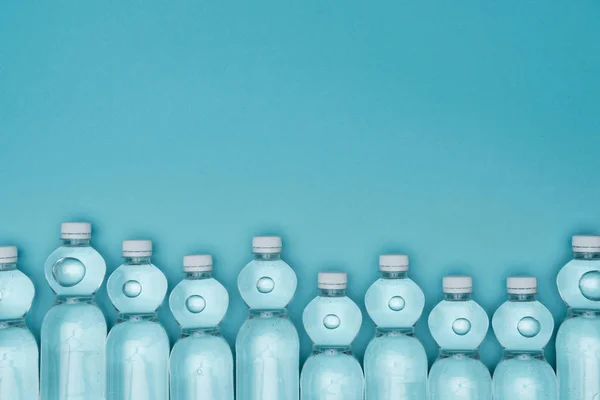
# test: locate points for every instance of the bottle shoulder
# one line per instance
(332, 320)
(523, 325)
(458, 325)
(267, 284)
(16, 294)
(579, 284)
(139, 288)
(394, 303)
(199, 303)
(75, 271)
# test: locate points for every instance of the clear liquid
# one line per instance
(267, 345)
(201, 360)
(332, 320)
(523, 326)
(395, 361)
(578, 357)
(137, 347)
(459, 376)
(137, 360)
(524, 376)
(578, 338)
(18, 349)
(459, 325)
(73, 337)
(395, 367)
(202, 368)
(332, 374)
(267, 350)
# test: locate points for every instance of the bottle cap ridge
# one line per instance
(521, 285)
(332, 280)
(457, 284)
(266, 244)
(197, 263)
(75, 230)
(586, 244)
(393, 262)
(137, 248)
(8, 254)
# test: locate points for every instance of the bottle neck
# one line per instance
(457, 296)
(394, 274)
(332, 292)
(267, 256)
(459, 354)
(66, 299)
(521, 297)
(12, 323)
(137, 260)
(394, 332)
(198, 275)
(582, 313)
(524, 355)
(137, 317)
(280, 313)
(331, 350)
(586, 256)
(199, 332)
(76, 242)
(8, 266)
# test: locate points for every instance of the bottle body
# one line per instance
(202, 368)
(201, 363)
(395, 365)
(577, 356)
(332, 320)
(73, 335)
(137, 347)
(524, 376)
(395, 361)
(578, 337)
(267, 350)
(459, 375)
(459, 325)
(332, 373)
(137, 351)
(267, 345)
(18, 362)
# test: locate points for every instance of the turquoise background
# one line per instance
(464, 133)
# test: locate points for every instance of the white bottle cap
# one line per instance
(197, 263)
(75, 230)
(137, 248)
(457, 284)
(8, 254)
(393, 262)
(266, 244)
(521, 285)
(586, 244)
(332, 280)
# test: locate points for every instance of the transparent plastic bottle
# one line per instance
(523, 326)
(201, 360)
(137, 348)
(18, 348)
(395, 361)
(267, 344)
(459, 325)
(578, 338)
(73, 340)
(332, 320)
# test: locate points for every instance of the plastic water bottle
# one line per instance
(459, 325)
(201, 360)
(74, 330)
(267, 345)
(332, 320)
(137, 348)
(578, 338)
(18, 348)
(523, 326)
(395, 360)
